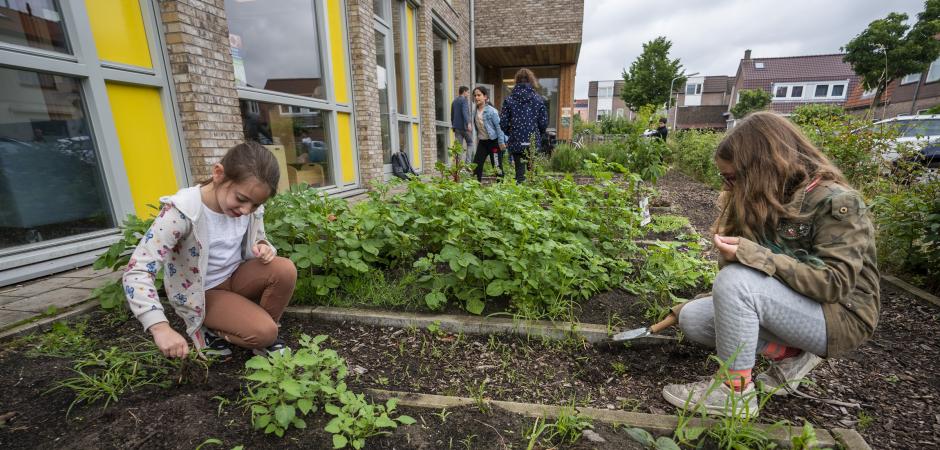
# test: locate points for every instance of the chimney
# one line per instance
(747, 54)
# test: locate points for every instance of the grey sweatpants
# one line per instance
(748, 310)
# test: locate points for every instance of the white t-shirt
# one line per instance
(225, 245)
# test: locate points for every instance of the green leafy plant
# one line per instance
(357, 419)
(283, 387)
(569, 425)
(667, 223)
(63, 341)
(111, 295)
(657, 443)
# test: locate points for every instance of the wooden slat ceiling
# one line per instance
(528, 55)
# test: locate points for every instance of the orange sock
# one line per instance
(777, 352)
(739, 379)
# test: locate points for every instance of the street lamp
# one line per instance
(669, 105)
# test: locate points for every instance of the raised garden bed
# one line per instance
(892, 379)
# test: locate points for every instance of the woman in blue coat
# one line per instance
(490, 138)
(524, 114)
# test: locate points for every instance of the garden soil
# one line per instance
(889, 389)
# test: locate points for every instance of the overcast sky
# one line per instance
(710, 36)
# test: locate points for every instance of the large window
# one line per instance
(303, 133)
(276, 46)
(442, 93)
(548, 88)
(693, 89)
(911, 78)
(51, 183)
(812, 91)
(933, 73)
(605, 92)
(33, 23)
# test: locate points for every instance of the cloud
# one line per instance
(710, 36)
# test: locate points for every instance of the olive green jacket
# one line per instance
(830, 257)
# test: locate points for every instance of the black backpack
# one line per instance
(401, 168)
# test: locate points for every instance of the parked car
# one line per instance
(920, 132)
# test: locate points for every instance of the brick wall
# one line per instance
(361, 32)
(203, 77)
(528, 22)
(456, 16)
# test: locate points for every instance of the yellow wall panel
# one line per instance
(338, 50)
(118, 28)
(412, 59)
(415, 146)
(346, 150)
(145, 146)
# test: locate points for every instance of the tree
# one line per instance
(750, 100)
(890, 49)
(649, 78)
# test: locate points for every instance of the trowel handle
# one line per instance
(669, 321)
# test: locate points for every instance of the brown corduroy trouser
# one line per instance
(246, 308)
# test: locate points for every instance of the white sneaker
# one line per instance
(714, 396)
(784, 377)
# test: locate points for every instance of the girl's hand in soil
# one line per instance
(170, 343)
(727, 246)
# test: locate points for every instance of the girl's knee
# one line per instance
(284, 269)
(732, 278)
(263, 334)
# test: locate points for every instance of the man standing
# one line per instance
(460, 121)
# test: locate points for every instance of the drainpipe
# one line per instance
(914, 101)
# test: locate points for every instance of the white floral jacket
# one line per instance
(178, 242)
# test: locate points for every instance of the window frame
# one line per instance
(328, 104)
(933, 72)
(911, 78)
(809, 91)
(697, 90)
(20, 263)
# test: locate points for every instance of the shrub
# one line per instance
(693, 153)
(566, 158)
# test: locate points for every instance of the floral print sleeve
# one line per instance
(148, 258)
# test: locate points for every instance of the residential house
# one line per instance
(581, 108)
(912, 94)
(702, 103)
(604, 100)
(105, 106)
(793, 81)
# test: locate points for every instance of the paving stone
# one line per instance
(59, 298)
(40, 287)
(8, 317)
(5, 299)
(98, 281)
(85, 272)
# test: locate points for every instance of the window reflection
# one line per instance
(33, 23)
(51, 184)
(440, 78)
(275, 46)
(302, 132)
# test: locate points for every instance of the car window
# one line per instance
(914, 128)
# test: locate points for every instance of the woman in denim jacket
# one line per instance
(490, 138)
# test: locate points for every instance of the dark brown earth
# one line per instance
(888, 389)
(893, 379)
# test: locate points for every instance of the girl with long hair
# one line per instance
(799, 278)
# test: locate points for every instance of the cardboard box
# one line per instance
(310, 174)
(283, 183)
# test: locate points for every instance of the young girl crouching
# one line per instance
(221, 275)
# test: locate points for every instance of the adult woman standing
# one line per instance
(524, 114)
(490, 138)
(799, 277)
